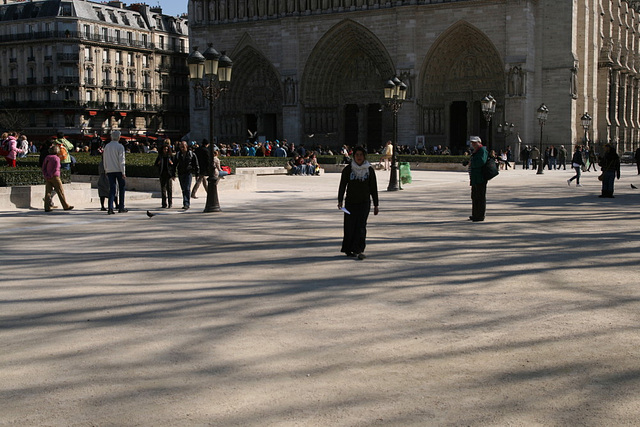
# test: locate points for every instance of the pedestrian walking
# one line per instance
(562, 158)
(204, 163)
(577, 162)
(186, 166)
(51, 173)
(358, 179)
(165, 162)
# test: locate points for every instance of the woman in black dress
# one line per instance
(359, 181)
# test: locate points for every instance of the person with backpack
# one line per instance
(51, 173)
(65, 149)
(478, 181)
(10, 147)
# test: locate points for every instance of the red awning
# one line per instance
(93, 112)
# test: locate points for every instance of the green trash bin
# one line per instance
(405, 173)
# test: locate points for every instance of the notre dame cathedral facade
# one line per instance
(313, 71)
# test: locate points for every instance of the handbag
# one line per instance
(601, 176)
(490, 169)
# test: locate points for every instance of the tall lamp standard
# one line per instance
(586, 124)
(395, 92)
(543, 112)
(488, 104)
(210, 73)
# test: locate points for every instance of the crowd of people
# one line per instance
(556, 158)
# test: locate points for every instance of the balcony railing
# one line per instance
(68, 56)
(31, 80)
(47, 80)
(89, 81)
(69, 80)
(107, 82)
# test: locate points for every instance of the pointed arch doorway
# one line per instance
(461, 68)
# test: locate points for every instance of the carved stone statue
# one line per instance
(515, 82)
(574, 80)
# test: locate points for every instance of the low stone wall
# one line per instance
(246, 182)
(450, 167)
(30, 196)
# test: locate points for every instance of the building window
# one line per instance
(65, 9)
(117, 36)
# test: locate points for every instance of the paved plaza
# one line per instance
(252, 317)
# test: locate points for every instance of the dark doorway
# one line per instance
(458, 127)
(351, 125)
(252, 125)
(374, 127)
(270, 126)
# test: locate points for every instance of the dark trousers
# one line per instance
(185, 186)
(608, 179)
(478, 200)
(113, 177)
(166, 190)
(355, 228)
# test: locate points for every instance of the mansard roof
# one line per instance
(137, 16)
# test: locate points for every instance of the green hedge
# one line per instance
(11, 177)
(142, 165)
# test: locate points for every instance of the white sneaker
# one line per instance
(578, 185)
(569, 182)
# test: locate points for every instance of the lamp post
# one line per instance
(488, 104)
(586, 124)
(395, 92)
(543, 112)
(210, 73)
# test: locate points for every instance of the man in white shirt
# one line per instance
(113, 158)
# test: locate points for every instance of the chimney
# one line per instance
(116, 3)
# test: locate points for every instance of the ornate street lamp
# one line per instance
(210, 73)
(543, 112)
(395, 92)
(586, 124)
(488, 104)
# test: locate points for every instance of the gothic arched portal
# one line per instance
(461, 68)
(342, 87)
(254, 101)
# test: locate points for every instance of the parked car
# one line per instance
(628, 157)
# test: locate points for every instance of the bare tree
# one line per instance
(14, 120)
